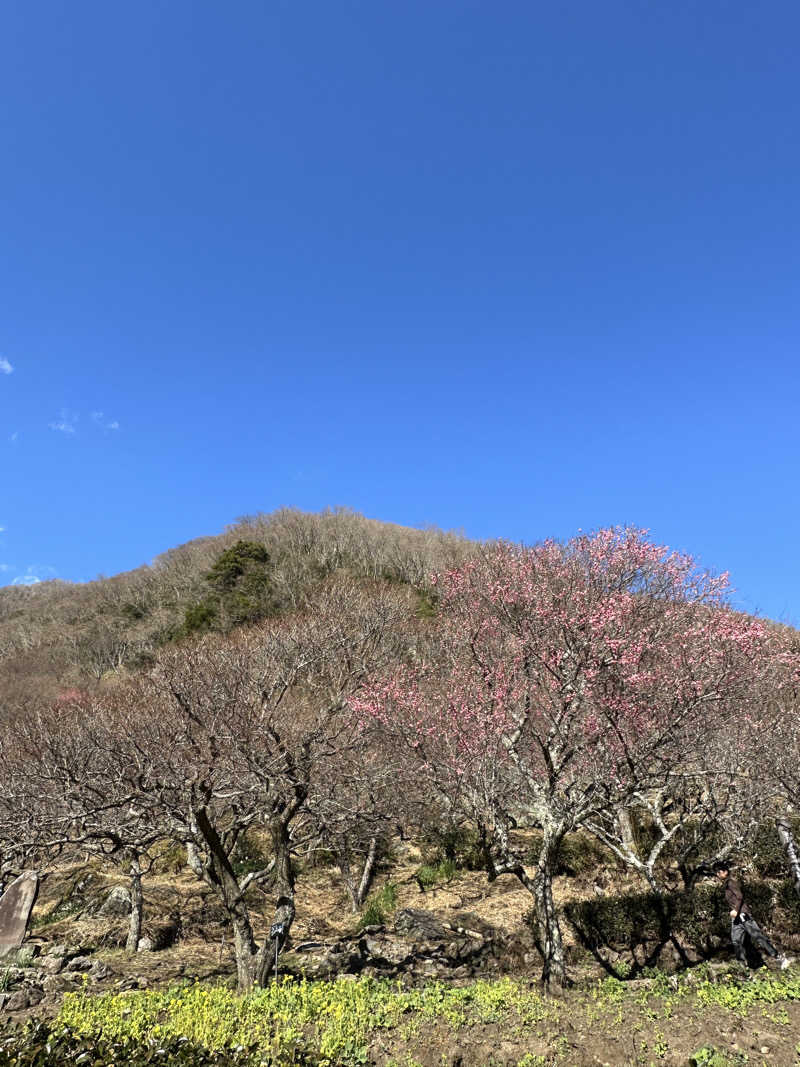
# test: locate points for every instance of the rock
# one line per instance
(145, 944)
(79, 963)
(394, 951)
(418, 925)
(99, 971)
(51, 964)
(16, 905)
(54, 984)
(19, 1001)
(64, 952)
(35, 996)
(4, 998)
(454, 949)
(428, 968)
(420, 947)
(117, 903)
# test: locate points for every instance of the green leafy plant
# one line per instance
(379, 905)
(430, 875)
(38, 1044)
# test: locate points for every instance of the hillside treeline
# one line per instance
(329, 683)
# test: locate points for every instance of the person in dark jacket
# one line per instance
(742, 921)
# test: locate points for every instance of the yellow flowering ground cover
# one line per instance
(702, 1018)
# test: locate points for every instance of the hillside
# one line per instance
(57, 635)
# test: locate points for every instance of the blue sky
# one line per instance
(515, 268)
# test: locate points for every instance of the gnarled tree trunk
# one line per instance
(251, 965)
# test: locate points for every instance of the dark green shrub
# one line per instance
(132, 612)
(699, 918)
(427, 604)
(199, 617)
(580, 854)
(767, 853)
(249, 856)
(452, 843)
(169, 857)
(789, 901)
(244, 558)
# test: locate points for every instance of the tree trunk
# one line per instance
(283, 880)
(787, 839)
(554, 971)
(366, 874)
(626, 831)
(137, 907)
(357, 893)
(249, 959)
(343, 863)
(551, 945)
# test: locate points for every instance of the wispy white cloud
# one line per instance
(99, 419)
(14, 437)
(66, 422)
(5, 567)
(5, 366)
(37, 572)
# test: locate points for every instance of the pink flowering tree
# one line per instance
(561, 679)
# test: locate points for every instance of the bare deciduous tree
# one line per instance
(235, 733)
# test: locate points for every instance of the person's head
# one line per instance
(721, 870)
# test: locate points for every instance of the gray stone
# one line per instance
(117, 903)
(79, 963)
(19, 1001)
(61, 983)
(99, 970)
(51, 964)
(145, 944)
(419, 925)
(65, 952)
(4, 999)
(16, 905)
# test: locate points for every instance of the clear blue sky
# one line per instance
(515, 268)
